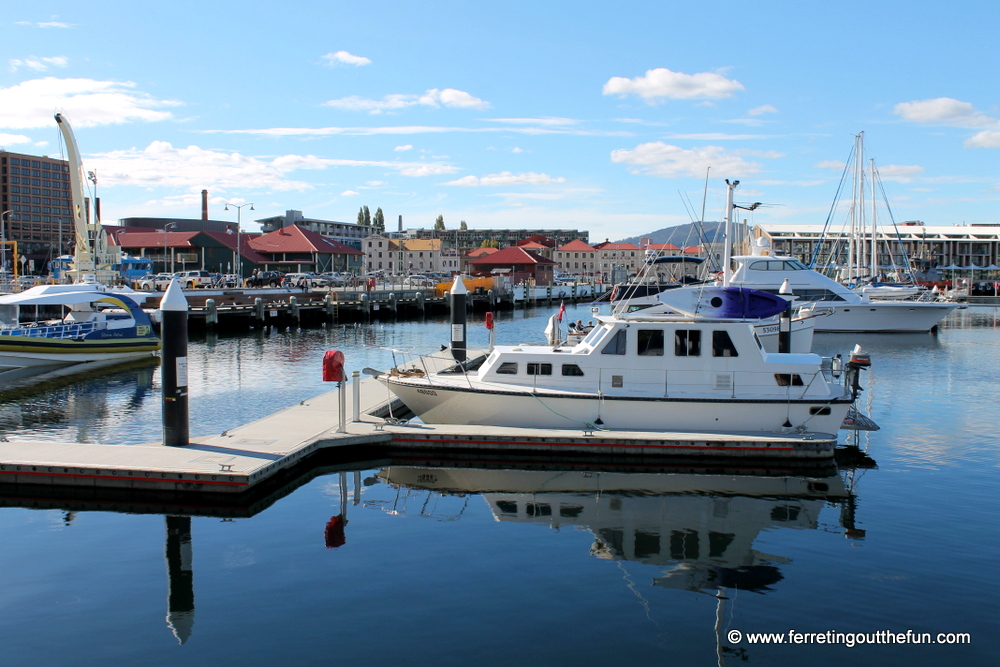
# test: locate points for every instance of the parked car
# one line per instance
(228, 280)
(196, 278)
(312, 280)
(159, 282)
(266, 279)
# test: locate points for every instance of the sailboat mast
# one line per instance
(728, 240)
(874, 226)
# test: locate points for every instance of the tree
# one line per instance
(379, 221)
(361, 215)
(368, 215)
(462, 226)
(439, 223)
(489, 243)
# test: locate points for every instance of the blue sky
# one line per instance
(546, 114)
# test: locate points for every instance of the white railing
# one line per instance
(52, 331)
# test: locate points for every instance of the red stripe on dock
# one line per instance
(135, 479)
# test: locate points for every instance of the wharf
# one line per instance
(265, 452)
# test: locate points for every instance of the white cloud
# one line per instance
(44, 24)
(449, 97)
(507, 179)
(38, 64)
(943, 111)
(9, 139)
(766, 108)
(345, 58)
(516, 149)
(547, 121)
(984, 139)
(662, 83)
(831, 165)
(406, 147)
(660, 159)
(349, 193)
(86, 103)
(162, 165)
(901, 173)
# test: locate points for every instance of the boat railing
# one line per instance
(76, 330)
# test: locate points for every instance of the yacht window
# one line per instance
(572, 370)
(795, 265)
(617, 344)
(507, 368)
(538, 509)
(786, 379)
(651, 342)
(539, 369)
(756, 339)
(508, 507)
(722, 345)
(687, 343)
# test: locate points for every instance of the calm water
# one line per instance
(464, 566)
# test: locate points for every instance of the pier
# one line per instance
(264, 452)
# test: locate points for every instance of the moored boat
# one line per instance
(700, 372)
(98, 325)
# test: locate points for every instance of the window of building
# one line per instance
(687, 343)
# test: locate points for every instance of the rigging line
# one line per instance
(892, 219)
(833, 206)
(627, 576)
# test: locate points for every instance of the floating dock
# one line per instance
(264, 451)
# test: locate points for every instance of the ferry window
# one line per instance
(687, 343)
(786, 379)
(507, 368)
(722, 345)
(646, 544)
(539, 369)
(572, 370)
(718, 543)
(617, 344)
(651, 342)
(570, 511)
(684, 544)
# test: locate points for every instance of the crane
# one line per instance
(92, 254)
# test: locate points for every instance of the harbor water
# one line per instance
(503, 562)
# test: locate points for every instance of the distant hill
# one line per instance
(681, 235)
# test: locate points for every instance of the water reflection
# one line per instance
(698, 528)
(80, 405)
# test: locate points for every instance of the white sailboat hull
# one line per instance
(883, 316)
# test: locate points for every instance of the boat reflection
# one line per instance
(699, 528)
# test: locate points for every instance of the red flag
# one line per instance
(562, 310)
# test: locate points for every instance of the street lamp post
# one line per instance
(165, 228)
(239, 233)
(3, 238)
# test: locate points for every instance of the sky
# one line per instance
(597, 116)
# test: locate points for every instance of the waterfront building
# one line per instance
(576, 258)
(407, 256)
(519, 264)
(349, 233)
(36, 192)
(928, 246)
(615, 262)
(467, 239)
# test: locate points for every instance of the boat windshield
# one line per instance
(594, 336)
(778, 265)
(8, 316)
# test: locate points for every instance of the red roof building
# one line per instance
(518, 263)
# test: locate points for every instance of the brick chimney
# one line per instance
(204, 204)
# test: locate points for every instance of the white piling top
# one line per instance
(458, 287)
(174, 299)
